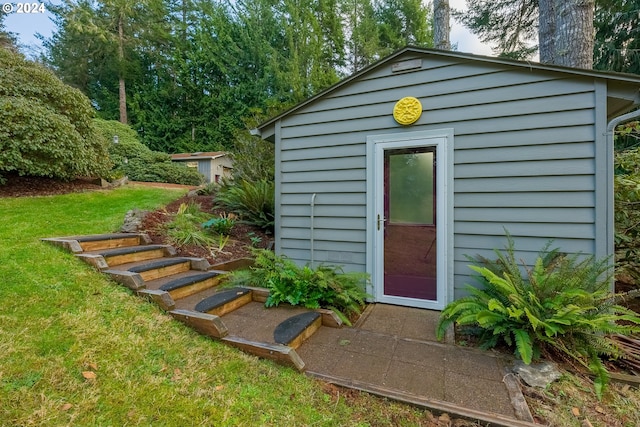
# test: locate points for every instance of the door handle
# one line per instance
(380, 220)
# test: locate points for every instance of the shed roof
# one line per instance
(623, 89)
(198, 155)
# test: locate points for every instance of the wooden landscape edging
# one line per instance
(434, 405)
(278, 352)
(206, 324)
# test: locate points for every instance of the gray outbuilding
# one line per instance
(426, 156)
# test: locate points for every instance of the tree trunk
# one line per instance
(121, 84)
(574, 33)
(441, 28)
(546, 31)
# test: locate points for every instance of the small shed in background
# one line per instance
(406, 167)
(214, 165)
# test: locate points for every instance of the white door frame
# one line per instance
(442, 140)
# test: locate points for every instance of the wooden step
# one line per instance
(151, 270)
(112, 241)
(97, 242)
(189, 285)
(114, 257)
(225, 301)
(296, 329)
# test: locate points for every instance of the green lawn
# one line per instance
(59, 318)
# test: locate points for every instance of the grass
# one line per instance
(61, 322)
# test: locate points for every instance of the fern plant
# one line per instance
(253, 201)
(561, 304)
(322, 287)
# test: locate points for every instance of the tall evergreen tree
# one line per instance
(617, 35)
(191, 71)
(517, 28)
(441, 26)
(573, 45)
(376, 28)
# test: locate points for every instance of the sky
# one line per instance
(27, 25)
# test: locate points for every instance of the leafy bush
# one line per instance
(325, 286)
(138, 162)
(254, 202)
(627, 214)
(253, 158)
(141, 170)
(221, 225)
(46, 127)
(562, 304)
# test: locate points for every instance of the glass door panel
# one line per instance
(410, 223)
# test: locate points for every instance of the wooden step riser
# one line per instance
(306, 333)
(134, 257)
(204, 323)
(161, 272)
(98, 245)
(189, 290)
(232, 305)
(282, 354)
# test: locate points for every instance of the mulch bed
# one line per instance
(29, 186)
(238, 246)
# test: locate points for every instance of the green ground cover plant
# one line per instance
(562, 305)
(77, 349)
(323, 286)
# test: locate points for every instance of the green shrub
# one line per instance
(323, 287)
(562, 304)
(627, 214)
(253, 158)
(254, 202)
(221, 225)
(138, 162)
(46, 127)
(140, 170)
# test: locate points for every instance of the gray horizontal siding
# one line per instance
(577, 199)
(437, 119)
(321, 187)
(533, 152)
(345, 205)
(329, 223)
(493, 169)
(321, 175)
(351, 143)
(349, 261)
(524, 184)
(297, 151)
(335, 235)
(523, 160)
(473, 107)
(517, 229)
(338, 164)
(536, 215)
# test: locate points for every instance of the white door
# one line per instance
(410, 219)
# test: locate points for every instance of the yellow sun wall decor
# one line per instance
(407, 110)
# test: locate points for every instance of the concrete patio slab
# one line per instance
(392, 351)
